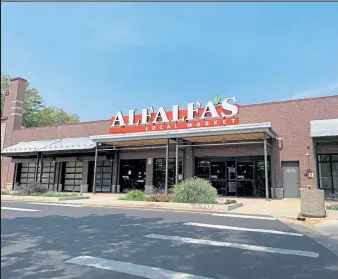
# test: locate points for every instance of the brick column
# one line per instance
(10, 121)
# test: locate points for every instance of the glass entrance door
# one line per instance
(232, 176)
(245, 178)
(132, 175)
(218, 177)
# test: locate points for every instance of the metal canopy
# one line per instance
(31, 147)
(192, 133)
(324, 128)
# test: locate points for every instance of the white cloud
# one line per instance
(330, 89)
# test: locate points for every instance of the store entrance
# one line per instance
(132, 175)
(241, 177)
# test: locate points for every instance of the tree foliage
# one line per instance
(35, 113)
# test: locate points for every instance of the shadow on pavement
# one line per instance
(37, 248)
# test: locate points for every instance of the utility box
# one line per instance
(312, 203)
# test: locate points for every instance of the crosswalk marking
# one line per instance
(19, 209)
(132, 269)
(245, 216)
(235, 245)
(56, 204)
(241, 229)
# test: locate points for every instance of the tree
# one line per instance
(35, 113)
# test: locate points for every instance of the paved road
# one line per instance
(52, 241)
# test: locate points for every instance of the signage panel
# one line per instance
(218, 113)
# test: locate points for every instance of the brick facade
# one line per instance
(290, 119)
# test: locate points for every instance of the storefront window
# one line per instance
(27, 173)
(202, 169)
(73, 176)
(324, 158)
(328, 173)
(245, 170)
(240, 177)
(48, 172)
(160, 170)
(132, 175)
(335, 176)
(103, 176)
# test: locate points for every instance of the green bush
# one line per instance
(5, 192)
(31, 189)
(230, 201)
(332, 207)
(135, 195)
(194, 190)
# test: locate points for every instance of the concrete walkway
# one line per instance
(276, 208)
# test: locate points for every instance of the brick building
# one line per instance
(269, 149)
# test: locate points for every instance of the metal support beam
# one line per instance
(95, 167)
(221, 144)
(166, 168)
(133, 148)
(41, 168)
(176, 163)
(273, 155)
(266, 169)
(37, 167)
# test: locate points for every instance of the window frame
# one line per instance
(330, 163)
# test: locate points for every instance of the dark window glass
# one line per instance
(73, 176)
(334, 158)
(132, 174)
(217, 170)
(48, 173)
(335, 175)
(202, 169)
(325, 175)
(27, 173)
(160, 170)
(103, 176)
(324, 158)
(245, 170)
(231, 170)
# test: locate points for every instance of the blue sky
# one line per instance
(94, 59)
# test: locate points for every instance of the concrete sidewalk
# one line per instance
(286, 208)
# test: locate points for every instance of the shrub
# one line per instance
(135, 195)
(31, 189)
(332, 207)
(5, 192)
(195, 190)
(230, 201)
(161, 198)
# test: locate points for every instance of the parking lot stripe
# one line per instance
(56, 204)
(132, 269)
(19, 209)
(245, 216)
(240, 229)
(235, 245)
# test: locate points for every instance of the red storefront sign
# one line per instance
(219, 113)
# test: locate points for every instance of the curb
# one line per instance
(142, 207)
(40, 198)
(319, 236)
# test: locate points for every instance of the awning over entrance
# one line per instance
(32, 147)
(324, 128)
(205, 134)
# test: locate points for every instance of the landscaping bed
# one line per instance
(193, 191)
(332, 207)
(51, 194)
(38, 192)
